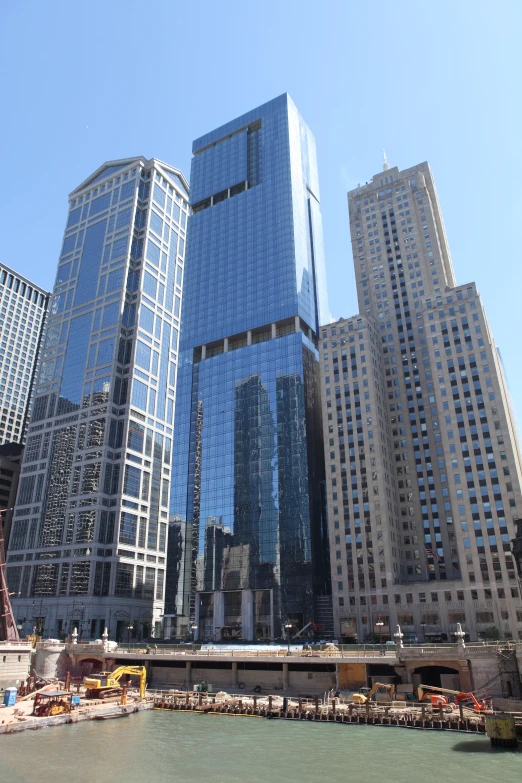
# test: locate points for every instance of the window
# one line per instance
(128, 525)
(124, 579)
(146, 319)
(143, 354)
(485, 617)
(150, 285)
(156, 223)
(139, 395)
(131, 483)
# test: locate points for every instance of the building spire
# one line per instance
(385, 165)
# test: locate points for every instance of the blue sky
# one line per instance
(86, 82)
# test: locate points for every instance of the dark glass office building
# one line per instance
(247, 530)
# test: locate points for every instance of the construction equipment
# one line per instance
(437, 699)
(362, 698)
(311, 624)
(106, 684)
(52, 703)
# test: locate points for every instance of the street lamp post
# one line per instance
(380, 625)
(423, 626)
(193, 629)
(288, 626)
(130, 628)
(82, 622)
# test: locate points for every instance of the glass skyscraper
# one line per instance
(88, 542)
(247, 533)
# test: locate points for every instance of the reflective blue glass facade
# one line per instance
(90, 525)
(246, 542)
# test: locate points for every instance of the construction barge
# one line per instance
(419, 716)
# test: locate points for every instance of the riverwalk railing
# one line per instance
(358, 652)
(161, 651)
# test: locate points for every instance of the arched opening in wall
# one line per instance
(382, 672)
(90, 665)
(437, 676)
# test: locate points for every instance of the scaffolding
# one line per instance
(508, 671)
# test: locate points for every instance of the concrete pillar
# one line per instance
(219, 613)
(225, 345)
(249, 337)
(286, 678)
(466, 680)
(247, 615)
(274, 331)
(203, 351)
(188, 674)
(297, 323)
(234, 674)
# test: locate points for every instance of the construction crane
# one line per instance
(438, 700)
(8, 629)
(308, 625)
(362, 698)
(106, 684)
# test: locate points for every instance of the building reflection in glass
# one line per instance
(252, 489)
(248, 457)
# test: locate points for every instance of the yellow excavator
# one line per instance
(105, 684)
(362, 698)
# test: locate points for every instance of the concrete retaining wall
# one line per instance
(15, 665)
(223, 679)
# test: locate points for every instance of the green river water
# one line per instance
(164, 746)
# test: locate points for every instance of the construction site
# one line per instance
(466, 688)
(108, 695)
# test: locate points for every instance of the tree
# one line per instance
(490, 634)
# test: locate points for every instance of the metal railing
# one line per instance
(162, 652)
(342, 651)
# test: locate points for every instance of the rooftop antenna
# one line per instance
(385, 165)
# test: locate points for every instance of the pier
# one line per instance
(332, 711)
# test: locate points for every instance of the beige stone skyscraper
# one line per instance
(423, 465)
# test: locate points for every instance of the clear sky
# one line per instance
(92, 80)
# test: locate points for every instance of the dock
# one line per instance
(12, 723)
(314, 710)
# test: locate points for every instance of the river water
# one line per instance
(165, 746)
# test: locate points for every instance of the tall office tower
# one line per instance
(246, 542)
(23, 311)
(424, 479)
(11, 455)
(88, 543)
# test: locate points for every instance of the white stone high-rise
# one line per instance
(88, 542)
(23, 311)
(423, 464)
